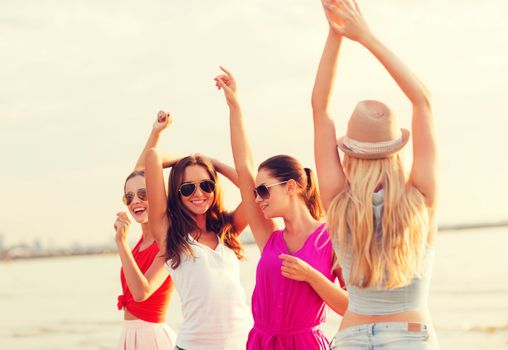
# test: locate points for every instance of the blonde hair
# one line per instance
(392, 260)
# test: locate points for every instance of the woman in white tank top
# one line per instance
(199, 239)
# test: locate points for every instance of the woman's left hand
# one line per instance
(295, 268)
(353, 24)
(227, 83)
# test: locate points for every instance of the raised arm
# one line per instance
(157, 198)
(228, 171)
(261, 227)
(161, 123)
(423, 171)
(169, 159)
(330, 174)
(239, 214)
(140, 285)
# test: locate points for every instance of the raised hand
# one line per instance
(331, 16)
(227, 83)
(163, 120)
(351, 23)
(121, 225)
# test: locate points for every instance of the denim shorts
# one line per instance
(386, 335)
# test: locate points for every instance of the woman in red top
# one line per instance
(146, 284)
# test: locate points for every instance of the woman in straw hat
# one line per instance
(380, 220)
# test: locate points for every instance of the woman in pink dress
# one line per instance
(294, 276)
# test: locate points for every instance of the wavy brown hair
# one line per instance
(182, 220)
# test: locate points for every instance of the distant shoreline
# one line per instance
(57, 254)
(27, 254)
(460, 227)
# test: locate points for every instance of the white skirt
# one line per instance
(142, 335)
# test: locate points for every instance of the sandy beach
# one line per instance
(70, 303)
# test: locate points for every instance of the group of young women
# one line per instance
(370, 226)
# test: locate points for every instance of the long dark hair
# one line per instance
(182, 221)
(285, 168)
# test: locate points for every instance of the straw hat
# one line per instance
(372, 132)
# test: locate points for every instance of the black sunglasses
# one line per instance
(129, 196)
(263, 190)
(189, 188)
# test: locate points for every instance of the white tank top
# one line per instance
(215, 313)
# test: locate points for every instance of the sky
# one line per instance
(82, 81)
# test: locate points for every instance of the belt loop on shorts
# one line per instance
(370, 329)
(370, 332)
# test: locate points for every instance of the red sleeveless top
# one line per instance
(153, 309)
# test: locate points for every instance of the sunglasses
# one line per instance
(263, 190)
(129, 196)
(188, 188)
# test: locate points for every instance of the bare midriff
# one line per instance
(351, 319)
(128, 316)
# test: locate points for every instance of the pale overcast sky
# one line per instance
(81, 82)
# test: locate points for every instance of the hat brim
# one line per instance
(378, 155)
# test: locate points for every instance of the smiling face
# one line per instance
(199, 201)
(138, 207)
(275, 205)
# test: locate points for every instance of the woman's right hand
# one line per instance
(296, 269)
(121, 225)
(227, 83)
(330, 15)
(350, 22)
(163, 120)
